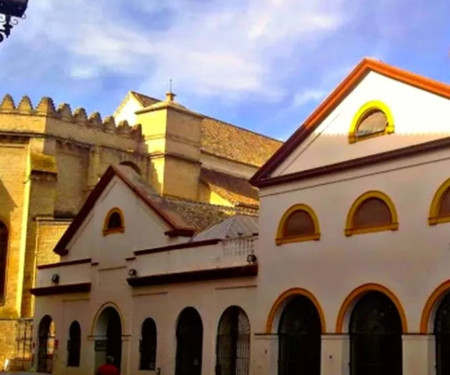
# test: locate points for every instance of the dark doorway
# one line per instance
(189, 343)
(147, 345)
(74, 345)
(375, 336)
(109, 337)
(46, 346)
(299, 334)
(442, 336)
(233, 343)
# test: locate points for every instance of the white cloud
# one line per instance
(229, 48)
(306, 96)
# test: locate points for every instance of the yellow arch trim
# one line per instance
(349, 228)
(357, 293)
(99, 312)
(362, 112)
(284, 297)
(434, 217)
(107, 230)
(437, 294)
(281, 238)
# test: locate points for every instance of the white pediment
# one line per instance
(419, 116)
(143, 228)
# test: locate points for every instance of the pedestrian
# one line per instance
(109, 368)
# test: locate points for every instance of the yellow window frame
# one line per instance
(106, 229)
(282, 239)
(350, 229)
(374, 105)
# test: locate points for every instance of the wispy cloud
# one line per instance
(228, 49)
(307, 96)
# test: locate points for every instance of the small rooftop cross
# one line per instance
(170, 96)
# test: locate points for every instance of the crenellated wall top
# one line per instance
(46, 108)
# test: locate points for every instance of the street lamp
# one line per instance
(8, 10)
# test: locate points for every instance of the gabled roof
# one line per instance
(330, 103)
(218, 138)
(178, 226)
(145, 100)
(233, 227)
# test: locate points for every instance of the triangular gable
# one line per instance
(263, 176)
(177, 225)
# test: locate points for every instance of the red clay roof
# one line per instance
(177, 225)
(337, 95)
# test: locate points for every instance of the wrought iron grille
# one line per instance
(375, 337)
(299, 338)
(233, 343)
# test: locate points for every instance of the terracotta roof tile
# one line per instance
(144, 99)
(232, 142)
(202, 216)
(232, 188)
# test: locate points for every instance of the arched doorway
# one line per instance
(46, 347)
(375, 336)
(299, 335)
(442, 336)
(189, 343)
(108, 337)
(74, 345)
(233, 343)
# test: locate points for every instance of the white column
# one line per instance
(418, 354)
(264, 354)
(335, 355)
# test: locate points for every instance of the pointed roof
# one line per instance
(332, 101)
(177, 224)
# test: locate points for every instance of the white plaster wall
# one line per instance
(161, 303)
(411, 262)
(128, 111)
(222, 255)
(419, 116)
(143, 228)
(74, 274)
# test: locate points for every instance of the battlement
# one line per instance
(63, 113)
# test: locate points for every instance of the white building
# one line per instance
(349, 275)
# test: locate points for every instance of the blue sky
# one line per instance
(260, 64)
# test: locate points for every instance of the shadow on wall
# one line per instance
(7, 205)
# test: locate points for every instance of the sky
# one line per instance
(261, 64)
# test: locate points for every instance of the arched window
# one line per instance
(147, 345)
(375, 336)
(440, 205)
(299, 223)
(74, 345)
(46, 346)
(442, 336)
(372, 119)
(3, 260)
(371, 212)
(299, 335)
(189, 343)
(114, 222)
(233, 343)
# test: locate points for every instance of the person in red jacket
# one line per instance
(108, 368)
